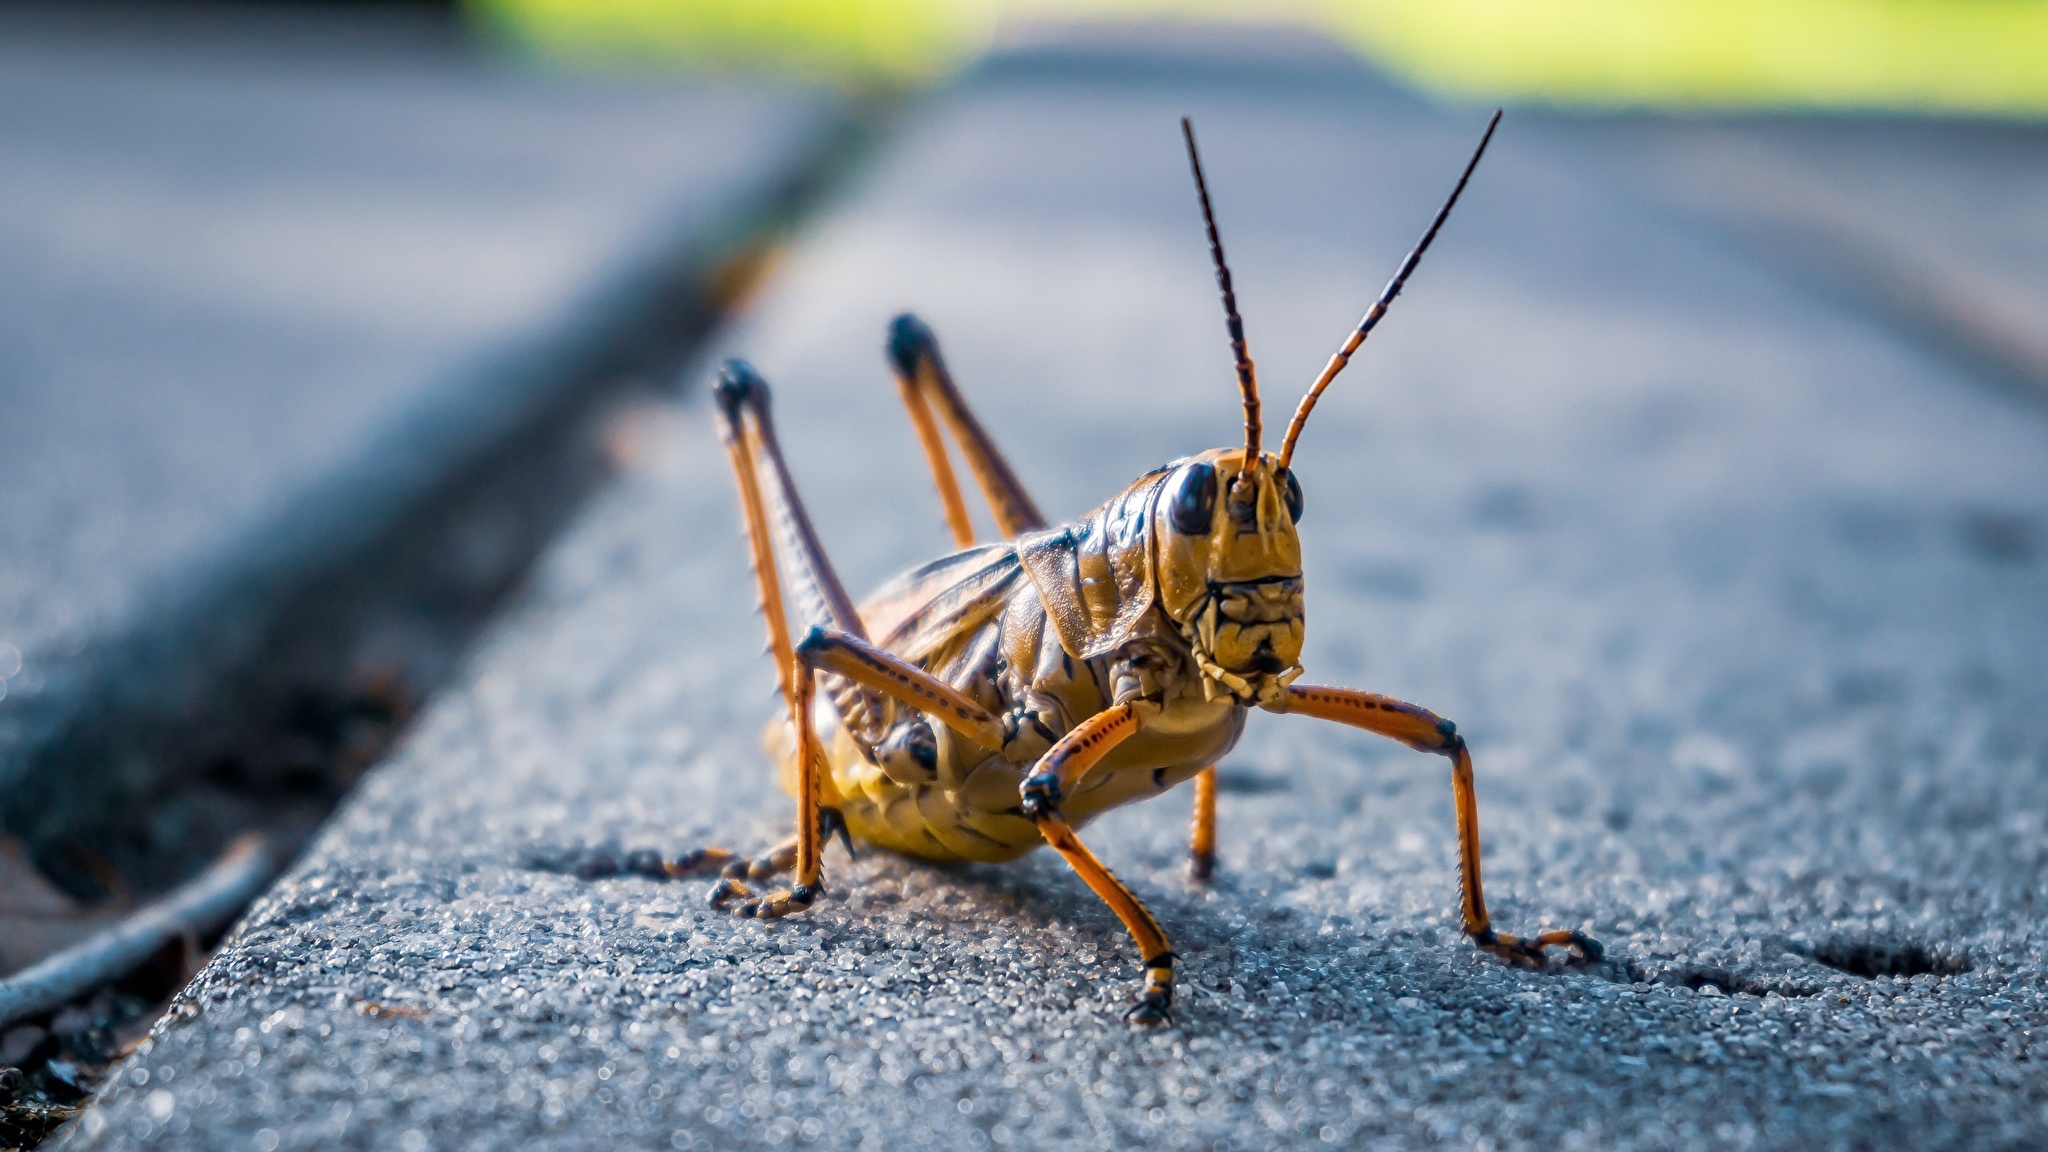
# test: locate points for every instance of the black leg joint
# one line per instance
(739, 385)
(815, 641)
(909, 338)
(1590, 950)
(1041, 796)
(1154, 1007)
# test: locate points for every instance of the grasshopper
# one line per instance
(997, 698)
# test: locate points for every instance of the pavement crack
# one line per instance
(1872, 956)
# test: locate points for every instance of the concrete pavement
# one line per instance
(1736, 594)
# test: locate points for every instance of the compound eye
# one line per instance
(1193, 503)
(1292, 495)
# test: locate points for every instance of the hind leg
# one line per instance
(927, 387)
(736, 871)
(764, 482)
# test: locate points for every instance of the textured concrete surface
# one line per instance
(267, 278)
(1936, 228)
(1737, 596)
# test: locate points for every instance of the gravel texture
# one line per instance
(1738, 597)
(268, 277)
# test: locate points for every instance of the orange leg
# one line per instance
(885, 672)
(768, 497)
(1062, 767)
(1155, 1002)
(742, 453)
(1202, 837)
(957, 520)
(921, 373)
(750, 441)
(1425, 731)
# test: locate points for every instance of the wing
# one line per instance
(919, 613)
(925, 608)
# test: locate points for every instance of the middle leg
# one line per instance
(1202, 836)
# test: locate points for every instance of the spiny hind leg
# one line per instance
(765, 486)
(733, 869)
(728, 864)
(927, 389)
(805, 851)
(1425, 731)
(902, 335)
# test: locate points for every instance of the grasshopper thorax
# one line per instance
(1229, 573)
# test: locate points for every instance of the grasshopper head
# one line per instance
(1229, 561)
(1230, 569)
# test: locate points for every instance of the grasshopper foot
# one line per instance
(1155, 1003)
(797, 898)
(774, 906)
(1041, 796)
(1153, 1009)
(733, 866)
(1528, 951)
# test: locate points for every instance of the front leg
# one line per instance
(1425, 731)
(1063, 764)
(1057, 772)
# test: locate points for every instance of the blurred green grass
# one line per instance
(1955, 56)
(890, 41)
(1976, 57)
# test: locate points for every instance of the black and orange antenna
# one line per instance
(1247, 377)
(1379, 306)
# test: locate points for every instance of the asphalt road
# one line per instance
(1736, 595)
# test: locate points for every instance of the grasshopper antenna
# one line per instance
(1379, 306)
(1247, 377)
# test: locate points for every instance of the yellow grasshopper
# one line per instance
(998, 697)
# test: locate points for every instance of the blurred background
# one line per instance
(1979, 57)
